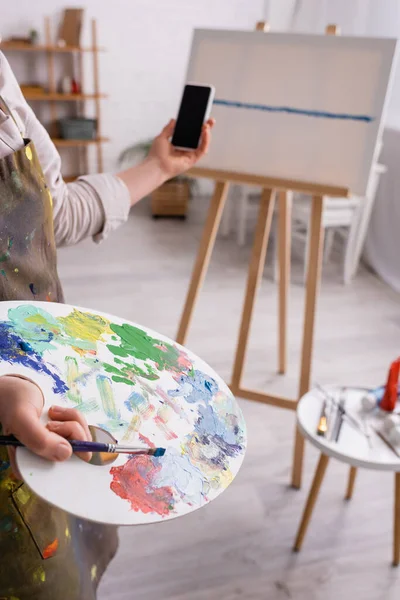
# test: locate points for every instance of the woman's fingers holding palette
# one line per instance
(62, 414)
(71, 430)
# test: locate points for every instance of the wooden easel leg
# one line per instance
(312, 288)
(203, 257)
(253, 281)
(312, 498)
(284, 240)
(351, 482)
(396, 536)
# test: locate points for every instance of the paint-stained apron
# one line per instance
(45, 554)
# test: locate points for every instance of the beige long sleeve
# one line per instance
(92, 206)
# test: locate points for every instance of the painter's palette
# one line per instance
(142, 388)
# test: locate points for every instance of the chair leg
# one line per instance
(311, 500)
(350, 249)
(226, 221)
(350, 484)
(329, 240)
(396, 536)
(242, 207)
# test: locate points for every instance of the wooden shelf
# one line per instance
(67, 60)
(20, 47)
(72, 143)
(55, 97)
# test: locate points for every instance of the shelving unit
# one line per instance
(57, 97)
(19, 47)
(60, 142)
(78, 101)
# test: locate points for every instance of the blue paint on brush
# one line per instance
(318, 114)
(159, 452)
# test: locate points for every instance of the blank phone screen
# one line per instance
(191, 116)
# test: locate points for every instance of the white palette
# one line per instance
(142, 388)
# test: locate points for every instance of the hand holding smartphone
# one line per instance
(194, 111)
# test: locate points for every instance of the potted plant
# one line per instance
(171, 199)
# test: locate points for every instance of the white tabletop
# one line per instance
(352, 447)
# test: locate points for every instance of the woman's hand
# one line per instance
(173, 162)
(163, 162)
(21, 404)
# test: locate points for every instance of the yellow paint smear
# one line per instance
(23, 495)
(39, 575)
(85, 326)
(93, 572)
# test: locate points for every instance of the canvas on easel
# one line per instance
(299, 113)
(299, 107)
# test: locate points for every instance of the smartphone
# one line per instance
(194, 110)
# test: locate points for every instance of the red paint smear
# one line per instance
(51, 549)
(169, 434)
(146, 440)
(161, 347)
(184, 362)
(133, 482)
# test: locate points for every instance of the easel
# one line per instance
(270, 186)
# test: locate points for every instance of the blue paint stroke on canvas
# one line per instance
(319, 114)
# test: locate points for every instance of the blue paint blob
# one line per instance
(223, 435)
(10, 351)
(195, 387)
(26, 347)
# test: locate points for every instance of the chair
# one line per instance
(346, 217)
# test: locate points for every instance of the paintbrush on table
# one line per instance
(323, 421)
(351, 420)
(388, 444)
(80, 446)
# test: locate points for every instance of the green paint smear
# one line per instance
(137, 343)
(122, 380)
(130, 372)
(6, 254)
(72, 370)
(89, 406)
(107, 397)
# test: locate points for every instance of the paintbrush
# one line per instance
(388, 444)
(80, 446)
(323, 421)
(352, 421)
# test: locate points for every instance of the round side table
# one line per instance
(366, 450)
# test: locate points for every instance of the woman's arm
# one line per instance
(94, 205)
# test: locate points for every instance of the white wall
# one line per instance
(148, 43)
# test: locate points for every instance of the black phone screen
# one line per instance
(191, 116)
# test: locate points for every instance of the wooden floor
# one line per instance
(239, 547)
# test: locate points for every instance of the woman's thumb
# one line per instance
(169, 129)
